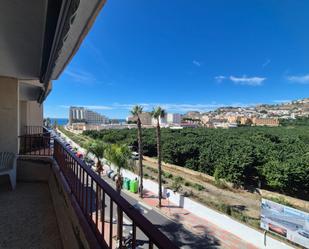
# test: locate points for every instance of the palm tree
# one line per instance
(157, 114)
(119, 155)
(136, 111)
(96, 148)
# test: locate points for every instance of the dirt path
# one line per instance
(249, 203)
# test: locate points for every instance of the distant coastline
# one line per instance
(60, 121)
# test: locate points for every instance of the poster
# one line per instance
(285, 221)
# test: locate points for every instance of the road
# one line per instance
(175, 231)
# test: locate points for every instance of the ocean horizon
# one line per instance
(60, 121)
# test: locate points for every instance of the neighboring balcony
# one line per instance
(59, 202)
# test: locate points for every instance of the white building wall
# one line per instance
(173, 118)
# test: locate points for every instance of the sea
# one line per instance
(60, 121)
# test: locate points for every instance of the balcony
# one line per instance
(59, 202)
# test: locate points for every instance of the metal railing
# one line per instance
(105, 210)
(31, 130)
(36, 141)
(99, 202)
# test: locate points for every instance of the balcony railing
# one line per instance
(31, 130)
(36, 141)
(98, 202)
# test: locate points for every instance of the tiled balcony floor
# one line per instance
(27, 217)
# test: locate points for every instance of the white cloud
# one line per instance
(196, 63)
(282, 101)
(266, 63)
(303, 79)
(91, 107)
(98, 107)
(250, 81)
(83, 77)
(220, 78)
(170, 107)
(80, 76)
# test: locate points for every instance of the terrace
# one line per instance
(60, 202)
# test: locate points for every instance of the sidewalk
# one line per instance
(194, 223)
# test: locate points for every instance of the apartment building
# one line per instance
(145, 118)
(162, 121)
(173, 118)
(51, 199)
(84, 115)
(94, 118)
(265, 121)
(77, 115)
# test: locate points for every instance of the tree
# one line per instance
(47, 122)
(55, 125)
(96, 148)
(275, 158)
(119, 155)
(157, 114)
(136, 111)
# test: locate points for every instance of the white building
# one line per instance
(76, 115)
(173, 118)
(83, 115)
(94, 118)
(162, 121)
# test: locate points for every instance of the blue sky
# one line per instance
(188, 55)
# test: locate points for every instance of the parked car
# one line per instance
(109, 172)
(113, 175)
(304, 233)
(134, 155)
(79, 155)
(89, 161)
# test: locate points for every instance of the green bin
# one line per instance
(134, 186)
(126, 183)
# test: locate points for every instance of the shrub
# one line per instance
(179, 179)
(188, 184)
(221, 184)
(177, 183)
(168, 175)
(198, 187)
(239, 215)
(153, 170)
(225, 208)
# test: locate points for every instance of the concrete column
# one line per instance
(34, 113)
(22, 116)
(9, 114)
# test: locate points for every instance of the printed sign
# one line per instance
(285, 221)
